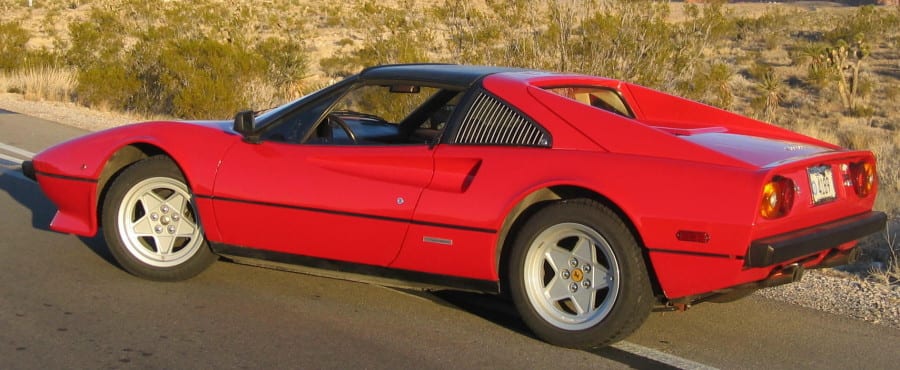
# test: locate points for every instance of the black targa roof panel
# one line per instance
(444, 74)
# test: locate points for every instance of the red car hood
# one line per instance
(224, 125)
(758, 151)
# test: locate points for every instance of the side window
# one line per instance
(382, 114)
(598, 97)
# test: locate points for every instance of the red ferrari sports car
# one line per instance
(587, 201)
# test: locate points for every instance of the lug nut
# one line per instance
(154, 216)
(566, 274)
(171, 229)
(573, 262)
(158, 229)
(175, 217)
(164, 209)
(586, 283)
(586, 268)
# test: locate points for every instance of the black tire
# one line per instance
(150, 224)
(577, 276)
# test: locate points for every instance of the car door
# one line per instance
(337, 202)
(343, 188)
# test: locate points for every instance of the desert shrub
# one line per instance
(868, 23)
(633, 41)
(97, 40)
(810, 53)
(108, 86)
(12, 42)
(204, 60)
(473, 33)
(710, 23)
(770, 29)
(711, 85)
(390, 35)
(770, 91)
(287, 62)
(206, 78)
(95, 50)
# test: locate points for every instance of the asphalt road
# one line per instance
(65, 304)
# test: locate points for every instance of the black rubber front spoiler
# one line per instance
(28, 170)
(785, 247)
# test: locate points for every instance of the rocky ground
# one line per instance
(826, 290)
(842, 294)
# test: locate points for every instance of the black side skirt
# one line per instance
(352, 271)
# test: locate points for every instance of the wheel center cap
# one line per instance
(165, 220)
(577, 275)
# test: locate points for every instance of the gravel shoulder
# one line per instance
(842, 294)
(826, 290)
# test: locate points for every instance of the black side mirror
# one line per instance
(243, 124)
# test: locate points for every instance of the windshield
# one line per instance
(266, 116)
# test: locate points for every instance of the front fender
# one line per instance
(70, 173)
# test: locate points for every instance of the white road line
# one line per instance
(19, 151)
(11, 159)
(652, 354)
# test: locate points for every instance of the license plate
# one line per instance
(821, 184)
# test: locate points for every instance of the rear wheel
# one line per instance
(150, 224)
(577, 277)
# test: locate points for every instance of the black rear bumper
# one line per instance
(785, 247)
(28, 170)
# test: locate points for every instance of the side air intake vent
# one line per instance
(490, 122)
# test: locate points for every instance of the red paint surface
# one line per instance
(678, 165)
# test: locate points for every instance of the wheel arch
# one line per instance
(542, 197)
(118, 161)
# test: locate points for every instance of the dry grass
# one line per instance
(40, 83)
(887, 269)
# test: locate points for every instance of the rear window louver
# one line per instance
(491, 122)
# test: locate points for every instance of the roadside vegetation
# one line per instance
(828, 71)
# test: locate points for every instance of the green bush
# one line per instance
(206, 78)
(202, 62)
(97, 40)
(108, 86)
(287, 61)
(12, 42)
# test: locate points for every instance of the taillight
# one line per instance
(777, 198)
(862, 175)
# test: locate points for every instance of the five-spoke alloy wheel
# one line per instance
(577, 276)
(150, 224)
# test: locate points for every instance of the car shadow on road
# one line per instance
(28, 194)
(500, 311)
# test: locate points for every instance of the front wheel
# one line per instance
(577, 277)
(150, 224)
